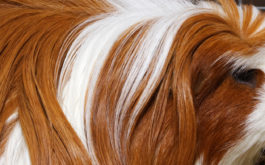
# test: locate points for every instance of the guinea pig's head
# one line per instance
(227, 83)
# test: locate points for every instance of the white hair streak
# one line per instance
(17, 152)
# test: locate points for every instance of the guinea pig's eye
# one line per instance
(247, 77)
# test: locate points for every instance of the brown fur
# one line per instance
(27, 74)
(189, 113)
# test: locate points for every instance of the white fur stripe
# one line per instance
(16, 152)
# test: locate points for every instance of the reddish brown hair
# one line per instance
(32, 36)
(170, 128)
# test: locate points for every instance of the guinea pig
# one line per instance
(131, 82)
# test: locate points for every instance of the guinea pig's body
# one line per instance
(131, 82)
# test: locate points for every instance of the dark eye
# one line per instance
(247, 77)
